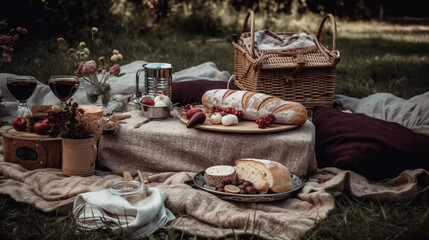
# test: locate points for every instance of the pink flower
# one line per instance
(60, 40)
(4, 39)
(15, 37)
(115, 69)
(6, 57)
(24, 31)
(88, 67)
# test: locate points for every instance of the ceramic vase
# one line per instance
(79, 156)
(98, 95)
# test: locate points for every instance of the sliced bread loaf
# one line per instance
(264, 174)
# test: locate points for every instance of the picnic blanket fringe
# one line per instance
(203, 214)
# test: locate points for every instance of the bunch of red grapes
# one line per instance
(189, 106)
(266, 121)
(224, 111)
(246, 187)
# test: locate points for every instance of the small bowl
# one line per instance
(156, 112)
(131, 103)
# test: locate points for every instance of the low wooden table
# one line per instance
(168, 145)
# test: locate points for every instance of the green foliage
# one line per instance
(45, 19)
(351, 219)
(383, 63)
(372, 219)
(372, 59)
(202, 19)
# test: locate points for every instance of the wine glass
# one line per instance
(63, 87)
(21, 88)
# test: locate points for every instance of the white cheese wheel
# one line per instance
(92, 110)
(215, 174)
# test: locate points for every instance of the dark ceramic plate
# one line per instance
(297, 184)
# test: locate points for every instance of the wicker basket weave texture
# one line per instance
(305, 75)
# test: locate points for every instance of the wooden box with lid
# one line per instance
(30, 150)
(33, 151)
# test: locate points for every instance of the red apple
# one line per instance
(192, 111)
(147, 101)
(19, 123)
(47, 122)
(42, 127)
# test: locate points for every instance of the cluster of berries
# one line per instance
(186, 107)
(225, 111)
(241, 186)
(266, 121)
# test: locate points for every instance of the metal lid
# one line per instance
(158, 66)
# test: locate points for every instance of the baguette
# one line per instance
(256, 105)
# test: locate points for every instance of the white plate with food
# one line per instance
(297, 184)
(250, 180)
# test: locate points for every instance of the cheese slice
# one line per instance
(215, 174)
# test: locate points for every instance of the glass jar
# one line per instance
(98, 95)
(132, 191)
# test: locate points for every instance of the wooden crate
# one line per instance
(30, 150)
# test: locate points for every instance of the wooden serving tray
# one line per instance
(41, 112)
(243, 126)
(25, 134)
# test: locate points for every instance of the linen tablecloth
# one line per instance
(169, 146)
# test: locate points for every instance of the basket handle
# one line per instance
(334, 30)
(250, 15)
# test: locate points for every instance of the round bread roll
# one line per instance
(215, 174)
(264, 174)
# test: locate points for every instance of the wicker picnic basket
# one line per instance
(305, 75)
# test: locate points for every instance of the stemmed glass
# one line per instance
(21, 88)
(64, 87)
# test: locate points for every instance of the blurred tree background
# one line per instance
(49, 18)
(375, 55)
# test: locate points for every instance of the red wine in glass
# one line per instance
(64, 87)
(21, 88)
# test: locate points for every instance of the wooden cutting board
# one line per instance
(243, 126)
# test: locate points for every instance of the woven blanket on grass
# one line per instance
(203, 214)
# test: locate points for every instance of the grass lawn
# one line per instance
(375, 57)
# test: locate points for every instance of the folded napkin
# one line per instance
(100, 209)
(266, 39)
